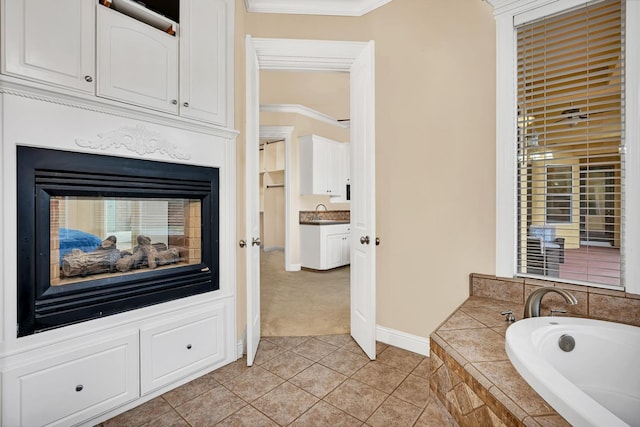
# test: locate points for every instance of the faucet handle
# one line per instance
(509, 317)
(555, 311)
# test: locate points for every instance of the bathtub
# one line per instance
(595, 384)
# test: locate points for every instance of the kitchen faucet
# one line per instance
(316, 216)
(532, 306)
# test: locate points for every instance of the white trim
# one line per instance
(505, 149)
(403, 340)
(239, 349)
(631, 232)
(314, 7)
(508, 13)
(51, 94)
(306, 55)
(284, 132)
(303, 111)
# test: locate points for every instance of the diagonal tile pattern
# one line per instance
(302, 381)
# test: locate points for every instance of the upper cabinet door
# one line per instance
(203, 60)
(50, 41)
(137, 62)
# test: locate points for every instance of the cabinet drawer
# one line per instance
(73, 386)
(172, 350)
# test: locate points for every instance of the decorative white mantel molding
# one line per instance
(315, 7)
(138, 139)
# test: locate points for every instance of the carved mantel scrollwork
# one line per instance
(137, 139)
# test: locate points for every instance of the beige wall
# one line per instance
(435, 148)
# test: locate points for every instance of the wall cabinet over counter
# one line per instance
(185, 73)
(324, 166)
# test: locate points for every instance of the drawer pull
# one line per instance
(188, 346)
(79, 387)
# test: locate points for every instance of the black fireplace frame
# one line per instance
(43, 173)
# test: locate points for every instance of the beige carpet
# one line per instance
(302, 303)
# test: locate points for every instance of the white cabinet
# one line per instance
(184, 74)
(321, 166)
(338, 249)
(72, 386)
(203, 60)
(325, 246)
(137, 63)
(83, 45)
(50, 41)
(173, 349)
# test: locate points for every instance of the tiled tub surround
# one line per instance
(470, 371)
(305, 216)
(594, 303)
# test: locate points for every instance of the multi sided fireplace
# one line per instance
(100, 235)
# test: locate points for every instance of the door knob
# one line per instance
(377, 241)
(364, 240)
(242, 243)
(256, 241)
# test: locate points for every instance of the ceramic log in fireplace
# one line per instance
(100, 235)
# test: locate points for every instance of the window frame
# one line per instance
(509, 14)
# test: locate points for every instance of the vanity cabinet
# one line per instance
(325, 246)
(50, 41)
(137, 63)
(73, 385)
(321, 166)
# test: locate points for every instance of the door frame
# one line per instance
(308, 55)
(284, 132)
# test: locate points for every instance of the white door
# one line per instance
(363, 233)
(252, 203)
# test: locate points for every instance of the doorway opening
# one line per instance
(357, 59)
(299, 296)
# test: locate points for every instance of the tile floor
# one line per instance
(302, 381)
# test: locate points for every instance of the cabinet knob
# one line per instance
(79, 387)
(188, 346)
(185, 104)
(174, 101)
(88, 79)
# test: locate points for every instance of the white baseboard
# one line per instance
(241, 345)
(294, 267)
(403, 340)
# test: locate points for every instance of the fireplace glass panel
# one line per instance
(95, 237)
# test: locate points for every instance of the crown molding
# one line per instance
(303, 111)
(315, 7)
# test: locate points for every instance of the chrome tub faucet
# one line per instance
(532, 306)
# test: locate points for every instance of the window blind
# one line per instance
(570, 70)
